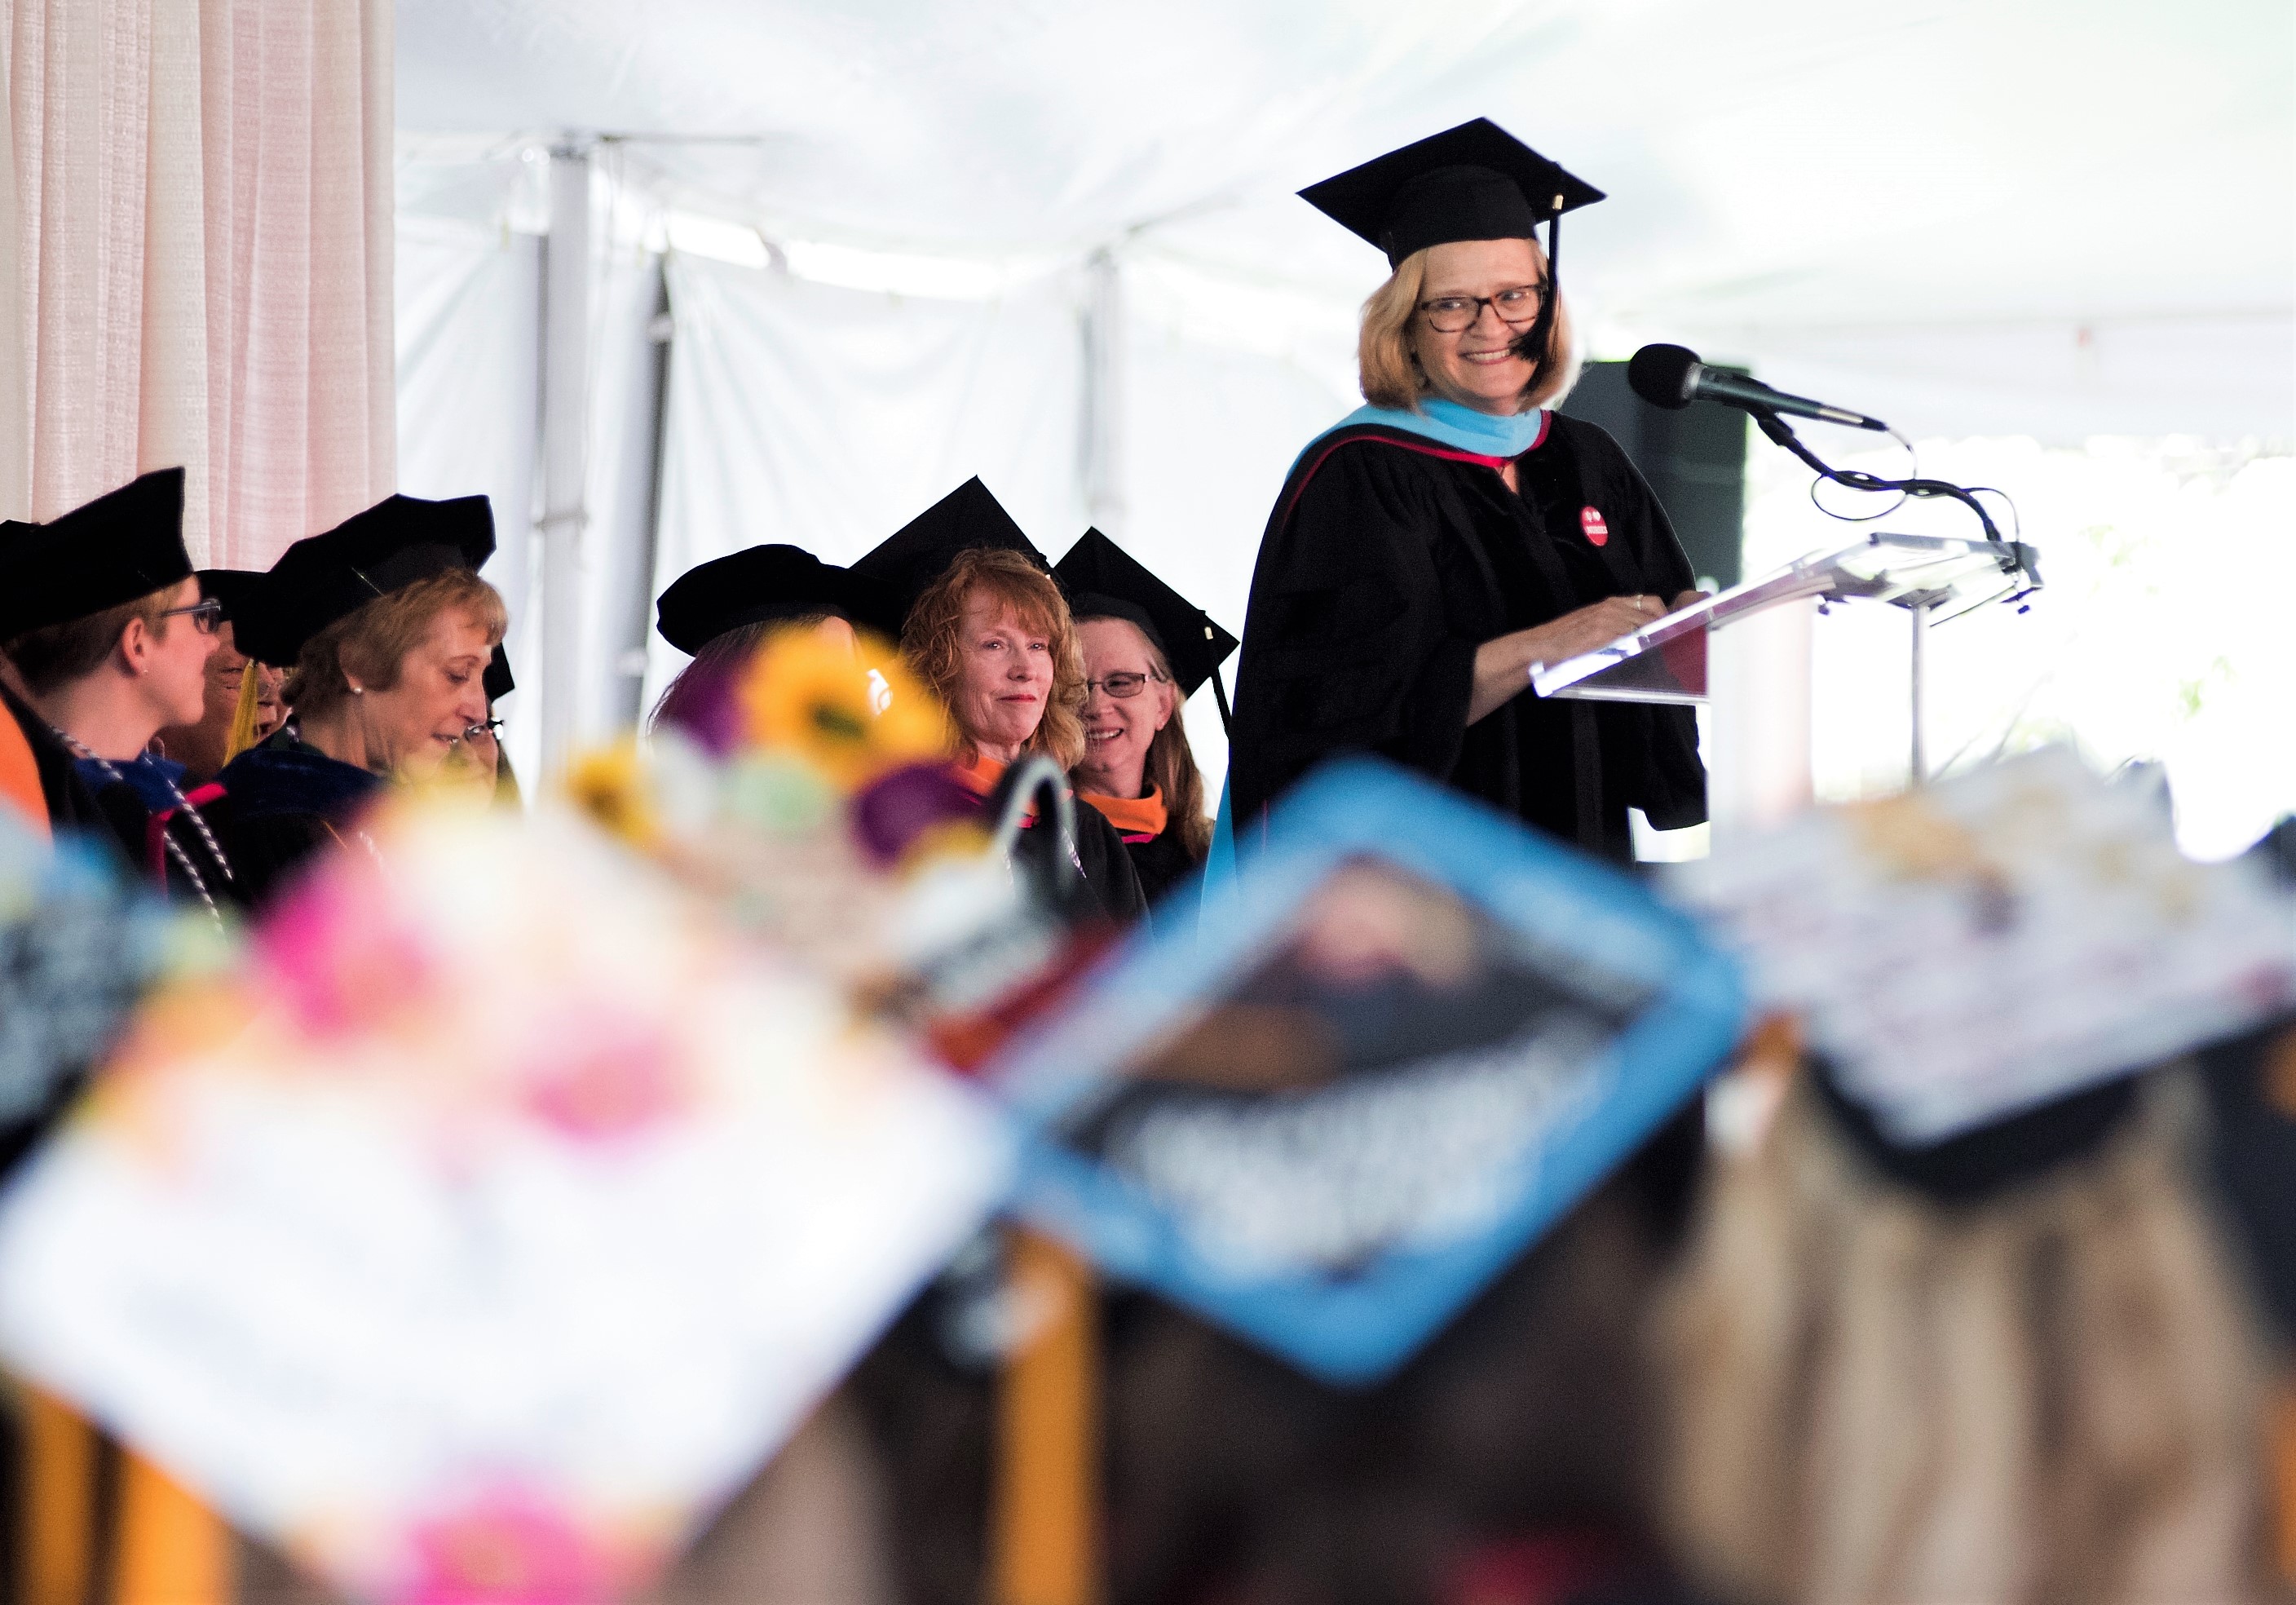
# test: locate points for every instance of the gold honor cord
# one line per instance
(242, 721)
(170, 1548)
(1044, 1509)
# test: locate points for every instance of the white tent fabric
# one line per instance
(1797, 180)
(2035, 219)
(195, 205)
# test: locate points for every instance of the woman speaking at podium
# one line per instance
(1439, 542)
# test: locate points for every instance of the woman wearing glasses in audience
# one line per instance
(1427, 553)
(1147, 649)
(109, 639)
(391, 631)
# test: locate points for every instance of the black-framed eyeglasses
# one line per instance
(1120, 684)
(205, 614)
(1451, 314)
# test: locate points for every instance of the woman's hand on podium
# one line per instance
(1503, 666)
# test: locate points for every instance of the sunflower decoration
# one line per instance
(609, 785)
(853, 714)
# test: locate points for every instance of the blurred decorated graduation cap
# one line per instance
(920, 550)
(1105, 581)
(1473, 182)
(125, 544)
(398, 542)
(765, 583)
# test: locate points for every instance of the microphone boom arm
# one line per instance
(2016, 557)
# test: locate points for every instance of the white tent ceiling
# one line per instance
(2050, 218)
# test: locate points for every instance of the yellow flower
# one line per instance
(852, 711)
(609, 784)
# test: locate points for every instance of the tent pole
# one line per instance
(1104, 394)
(565, 420)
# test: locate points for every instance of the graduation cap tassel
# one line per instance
(1537, 344)
(1219, 698)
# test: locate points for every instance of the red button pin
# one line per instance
(1590, 519)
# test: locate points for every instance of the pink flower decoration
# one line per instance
(338, 955)
(510, 1545)
(603, 1078)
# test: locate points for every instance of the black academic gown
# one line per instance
(71, 805)
(1388, 559)
(284, 801)
(155, 827)
(1110, 888)
(1162, 862)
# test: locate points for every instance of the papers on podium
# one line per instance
(1665, 661)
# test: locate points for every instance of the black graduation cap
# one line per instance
(125, 544)
(497, 680)
(769, 583)
(920, 550)
(322, 578)
(1473, 182)
(235, 588)
(1105, 581)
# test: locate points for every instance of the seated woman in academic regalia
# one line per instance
(1147, 649)
(988, 630)
(391, 631)
(243, 704)
(720, 611)
(108, 637)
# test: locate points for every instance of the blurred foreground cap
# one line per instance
(125, 544)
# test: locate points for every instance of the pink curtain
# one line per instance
(195, 210)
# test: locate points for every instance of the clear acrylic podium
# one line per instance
(1933, 577)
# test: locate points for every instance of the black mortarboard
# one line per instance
(1473, 182)
(920, 550)
(125, 544)
(497, 680)
(1105, 581)
(235, 588)
(769, 583)
(393, 544)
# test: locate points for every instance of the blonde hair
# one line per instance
(1389, 369)
(932, 641)
(374, 640)
(2054, 1395)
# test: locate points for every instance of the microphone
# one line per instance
(1672, 377)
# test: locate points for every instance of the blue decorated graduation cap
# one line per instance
(125, 544)
(1421, 1035)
